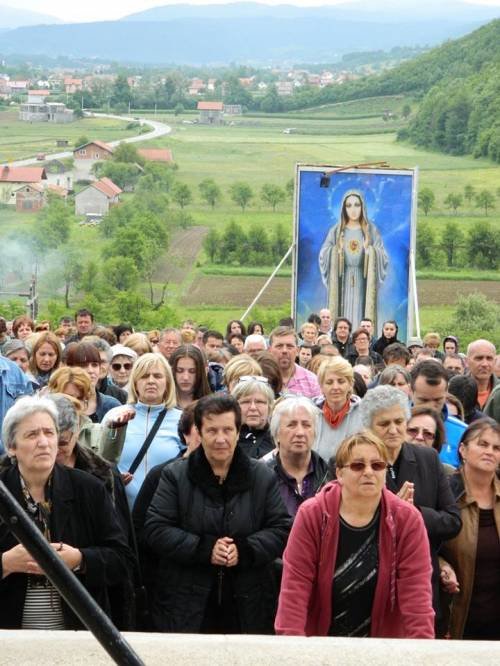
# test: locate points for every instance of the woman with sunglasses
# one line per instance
(414, 472)
(120, 367)
(471, 565)
(357, 561)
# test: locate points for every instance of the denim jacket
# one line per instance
(13, 384)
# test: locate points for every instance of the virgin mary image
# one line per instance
(353, 263)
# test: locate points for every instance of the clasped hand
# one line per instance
(19, 560)
(224, 553)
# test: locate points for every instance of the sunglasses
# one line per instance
(426, 434)
(253, 378)
(358, 466)
(119, 366)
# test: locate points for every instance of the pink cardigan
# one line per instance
(402, 605)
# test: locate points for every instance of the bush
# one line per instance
(476, 317)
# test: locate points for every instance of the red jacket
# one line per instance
(402, 604)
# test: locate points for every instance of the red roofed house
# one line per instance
(93, 150)
(156, 154)
(72, 85)
(97, 198)
(211, 113)
(12, 178)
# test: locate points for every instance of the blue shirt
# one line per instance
(165, 445)
(454, 429)
(13, 384)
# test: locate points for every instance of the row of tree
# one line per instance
(451, 247)
(255, 247)
(483, 199)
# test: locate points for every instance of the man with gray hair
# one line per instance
(481, 361)
(170, 340)
(254, 344)
(300, 471)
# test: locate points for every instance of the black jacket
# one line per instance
(189, 512)
(255, 443)
(107, 387)
(82, 516)
(432, 497)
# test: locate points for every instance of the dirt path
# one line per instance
(185, 246)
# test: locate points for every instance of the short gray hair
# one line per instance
(389, 375)
(21, 409)
(251, 386)
(378, 400)
(254, 337)
(288, 406)
(100, 344)
(67, 415)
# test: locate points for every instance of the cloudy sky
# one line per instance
(97, 10)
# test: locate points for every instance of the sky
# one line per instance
(97, 10)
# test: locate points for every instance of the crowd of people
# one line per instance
(313, 480)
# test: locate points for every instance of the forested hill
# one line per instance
(459, 83)
(460, 113)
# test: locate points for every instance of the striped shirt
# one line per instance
(42, 605)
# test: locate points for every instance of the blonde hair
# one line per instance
(139, 343)
(339, 366)
(344, 451)
(60, 379)
(432, 337)
(141, 367)
(238, 366)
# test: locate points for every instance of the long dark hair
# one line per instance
(201, 385)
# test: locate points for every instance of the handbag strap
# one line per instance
(147, 442)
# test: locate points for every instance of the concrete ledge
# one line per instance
(53, 648)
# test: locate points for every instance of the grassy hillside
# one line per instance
(255, 150)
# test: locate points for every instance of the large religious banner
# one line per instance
(354, 236)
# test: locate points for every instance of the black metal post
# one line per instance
(70, 588)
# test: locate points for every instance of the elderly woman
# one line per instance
(415, 472)
(471, 566)
(72, 454)
(300, 471)
(151, 438)
(45, 358)
(72, 510)
(256, 399)
(189, 368)
(217, 522)
(239, 366)
(357, 561)
(339, 407)
(397, 376)
(18, 353)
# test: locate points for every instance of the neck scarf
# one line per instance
(335, 419)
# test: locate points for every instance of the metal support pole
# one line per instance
(67, 584)
(247, 311)
(413, 276)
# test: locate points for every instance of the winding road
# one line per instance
(158, 129)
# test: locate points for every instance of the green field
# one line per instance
(254, 149)
(20, 140)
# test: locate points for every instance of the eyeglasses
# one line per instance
(253, 378)
(119, 366)
(427, 435)
(359, 466)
